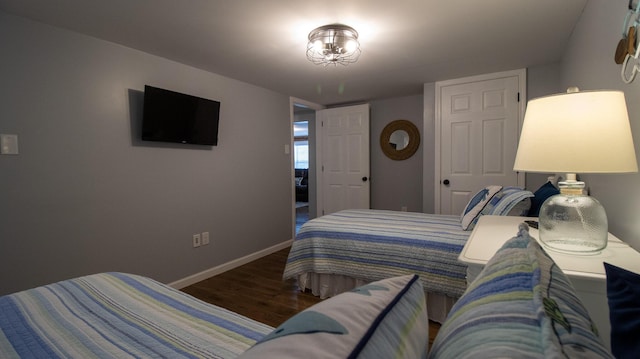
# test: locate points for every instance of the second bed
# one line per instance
(342, 250)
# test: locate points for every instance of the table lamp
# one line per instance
(576, 132)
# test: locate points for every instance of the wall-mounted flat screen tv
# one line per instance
(169, 116)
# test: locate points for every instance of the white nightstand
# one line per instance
(585, 272)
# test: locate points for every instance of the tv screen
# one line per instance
(170, 116)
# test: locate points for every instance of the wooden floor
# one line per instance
(257, 290)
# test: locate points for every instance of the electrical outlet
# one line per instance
(196, 240)
(8, 144)
(205, 238)
(403, 208)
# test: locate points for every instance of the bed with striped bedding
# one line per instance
(117, 315)
(371, 245)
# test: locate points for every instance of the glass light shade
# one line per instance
(572, 221)
(351, 46)
(317, 46)
(576, 132)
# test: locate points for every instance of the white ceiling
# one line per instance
(405, 43)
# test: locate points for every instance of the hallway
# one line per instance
(302, 214)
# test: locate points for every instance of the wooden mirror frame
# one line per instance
(414, 140)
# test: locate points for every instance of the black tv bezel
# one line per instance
(149, 130)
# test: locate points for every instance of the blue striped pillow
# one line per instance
(383, 319)
(520, 306)
(476, 204)
(502, 203)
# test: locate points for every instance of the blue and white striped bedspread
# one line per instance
(377, 244)
(116, 315)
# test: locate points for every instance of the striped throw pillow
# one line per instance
(520, 306)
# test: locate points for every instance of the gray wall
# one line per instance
(429, 147)
(541, 81)
(85, 195)
(396, 184)
(588, 63)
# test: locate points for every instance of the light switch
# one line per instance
(287, 149)
(8, 144)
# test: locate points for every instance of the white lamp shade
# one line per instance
(579, 132)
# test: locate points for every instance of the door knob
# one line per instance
(364, 179)
(445, 182)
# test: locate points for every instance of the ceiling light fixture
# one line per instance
(333, 44)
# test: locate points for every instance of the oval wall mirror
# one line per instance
(400, 139)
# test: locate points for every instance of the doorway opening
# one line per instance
(301, 168)
(303, 161)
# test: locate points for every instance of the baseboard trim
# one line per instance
(195, 278)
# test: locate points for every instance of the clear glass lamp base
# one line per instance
(575, 224)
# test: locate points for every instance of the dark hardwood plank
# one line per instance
(257, 290)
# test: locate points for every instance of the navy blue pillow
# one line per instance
(623, 293)
(545, 191)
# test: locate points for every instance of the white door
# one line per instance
(343, 158)
(478, 120)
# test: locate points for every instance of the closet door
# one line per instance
(478, 121)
